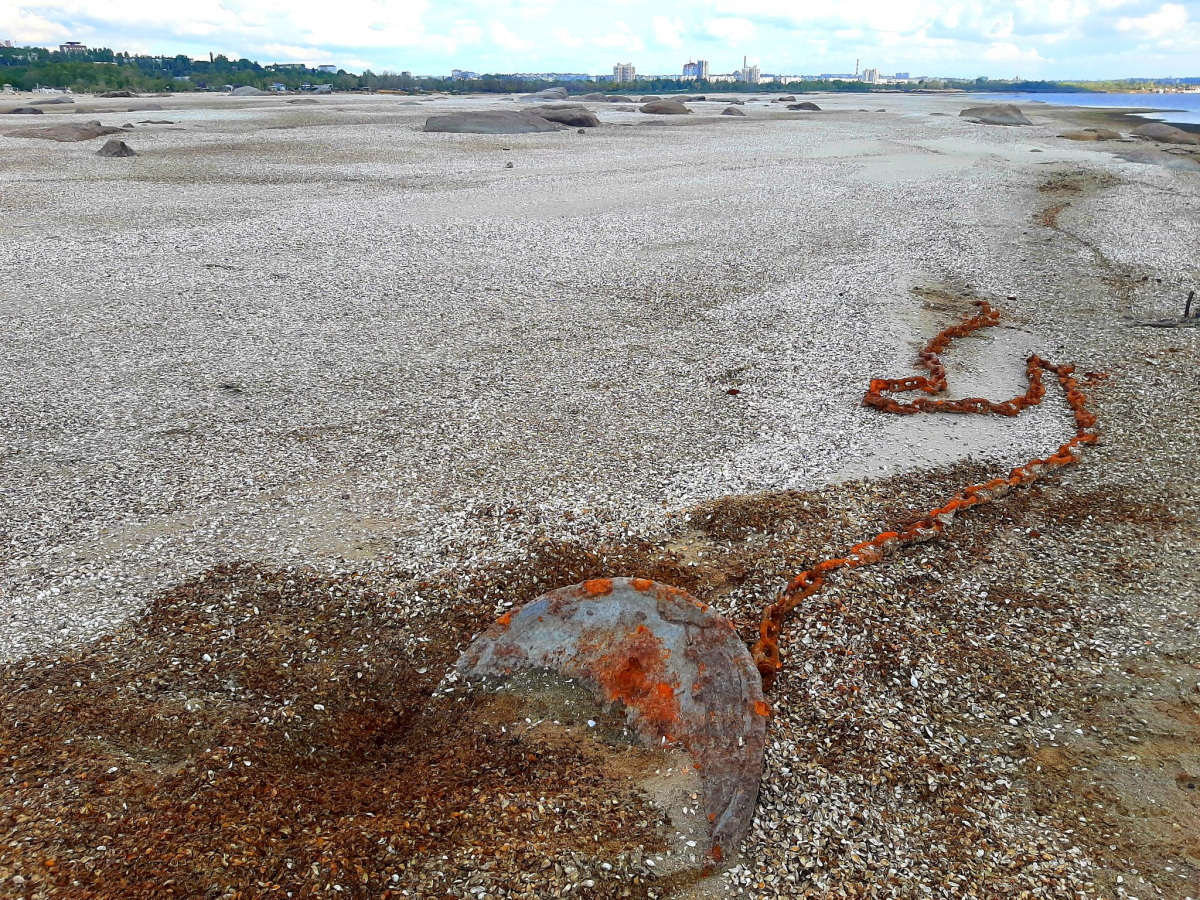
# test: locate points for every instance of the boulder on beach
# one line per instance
(615, 98)
(112, 95)
(115, 148)
(1165, 134)
(806, 105)
(732, 111)
(53, 101)
(83, 131)
(554, 93)
(1092, 134)
(304, 100)
(145, 107)
(26, 111)
(489, 123)
(665, 108)
(247, 91)
(997, 114)
(790, 98)
(568, 114)
(595, 98)
(649, 98)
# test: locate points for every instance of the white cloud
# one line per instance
(623, 39)
(24, 27)
(667, 31)
(1170, 19)
(505, 38)
(732, 30)
(1003, 51)
(565, 38)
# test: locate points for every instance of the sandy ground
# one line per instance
(314, 335)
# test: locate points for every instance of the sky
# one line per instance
(962, 38)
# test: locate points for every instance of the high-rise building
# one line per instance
(749, 74)
(697, 71)
(72, 47)
(623, 72)
(870, 76)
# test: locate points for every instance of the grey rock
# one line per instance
(554, 93)
(732, 111)
(666, 108)
(996, 114)
(568, 114)
(26, 111)
(111, 95)
(247, 91)
(115, 148)
(649, 98)
(1165, 134)
(302, 100)
(84, 131)
(489, 123)
(53, 101)
(807, 105)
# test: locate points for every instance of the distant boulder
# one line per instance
(806, 105)
(1165, 134)
(26, 111)
(737, 102)
(998, 114)
(554, 93)
(247, 91)
(615, 98)
(303, 100)
(113, 95)
(790, 98)
(489, 123)
(146, 107)
(649, 98)
(115, 148)
(666, 108)
(84, 131)
(568, 114)
(732, 111)
(594, 98)
(1092, 134)
(53, 101)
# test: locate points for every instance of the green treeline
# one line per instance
(94, 70)
(103, 70)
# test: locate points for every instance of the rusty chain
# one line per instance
(766, 649)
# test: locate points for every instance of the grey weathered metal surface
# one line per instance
(679, 668)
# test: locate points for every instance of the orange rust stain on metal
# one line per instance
(598, 587)
(641, 584)
(634, 672)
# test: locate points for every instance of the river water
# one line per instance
(1178, 108)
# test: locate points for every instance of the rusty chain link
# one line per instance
(766, 649)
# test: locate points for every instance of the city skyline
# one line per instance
(1064, 38)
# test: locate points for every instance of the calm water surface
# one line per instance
(1163, 107)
